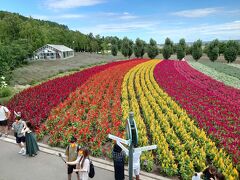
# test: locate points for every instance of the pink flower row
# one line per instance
(218, 117)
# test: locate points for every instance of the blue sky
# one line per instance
(157, 19)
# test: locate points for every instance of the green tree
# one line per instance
(180, 52)
(114, 47)
(197, 50)
(127, 47)
(181, 49)
(152, 49)
(231, 51)
(139, 48)
(5, 60)
(167, 48)
(183, 44)
(213, 50)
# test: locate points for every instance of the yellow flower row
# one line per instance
(164, 154)
(129, 103)
(150, 107)
(188, 133)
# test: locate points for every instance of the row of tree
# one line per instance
(230, 49)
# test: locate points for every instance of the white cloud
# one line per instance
(58, 17)
(126, 17)
(67, 4)
(122, 16)
(195, 13)
(117, 28)
(230, 30)
(70, 16)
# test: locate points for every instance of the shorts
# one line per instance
(71, 168)
(20, 139)
(136, 171)
(4, 123)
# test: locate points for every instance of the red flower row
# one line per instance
(36, 103)
(218, 117)
(92, 111)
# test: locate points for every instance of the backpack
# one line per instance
(91, 171)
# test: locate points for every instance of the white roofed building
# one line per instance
(52, 52)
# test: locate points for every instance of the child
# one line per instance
(17, 127)
(31, 142)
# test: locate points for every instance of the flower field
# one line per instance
(37, 102)
(192, 118)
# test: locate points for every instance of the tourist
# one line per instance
(4, 116)
(31, 142)
(118, 161)
(72, 153)
(84, 164)
(197, 176)
(136, 163)
(17, 127)
(209, 173)
(219, 176)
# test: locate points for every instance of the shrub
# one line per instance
(5, 92)
(197, 50)
(180, 52)
(231, 51)
(152, 49)
(167, 49)
(213, 50)
(230, 54)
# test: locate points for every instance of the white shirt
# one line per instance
(136, 159)
(3, 111)
(198, 177)
(83, 173)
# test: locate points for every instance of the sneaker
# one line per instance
(6, 135)
(21, 151)
(24, 153)
(0, 134)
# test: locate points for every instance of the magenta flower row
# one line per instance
(208, 101)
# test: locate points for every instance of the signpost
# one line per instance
(132, 135)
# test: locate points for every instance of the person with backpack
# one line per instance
(72, 154)
(83, 165)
